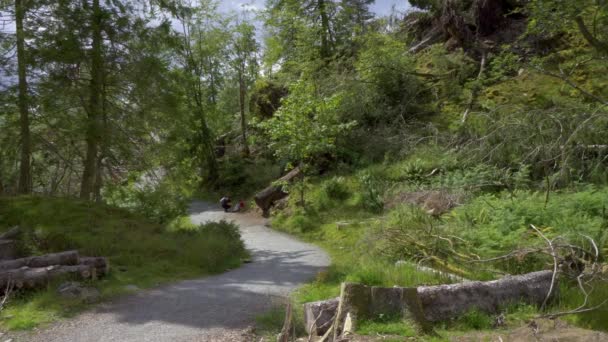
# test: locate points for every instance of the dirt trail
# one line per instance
(217, 308)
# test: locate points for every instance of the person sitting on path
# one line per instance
(225, 202)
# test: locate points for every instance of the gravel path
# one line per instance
(217, 308)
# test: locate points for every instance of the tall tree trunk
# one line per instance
(242, 96)
(325, 34)
(25, 173)
(95, 115)
(1, 177)
(98, 180)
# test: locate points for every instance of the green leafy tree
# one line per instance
(589, 17)
(305, 127)
(202, 55)
(244, 61)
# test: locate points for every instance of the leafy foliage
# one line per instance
(306, 125)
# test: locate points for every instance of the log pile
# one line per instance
(38, 271)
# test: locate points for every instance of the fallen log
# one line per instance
(30, 278)
(63, 258)
(425, 303)
(448, 301)
(11, 233)
(266, 198)
(101, 264)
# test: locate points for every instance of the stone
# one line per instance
(76, 291)
(131, 287)
(321, 312)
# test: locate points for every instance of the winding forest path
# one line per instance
(216, 308)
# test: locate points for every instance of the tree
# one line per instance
(25, 174)
(306, 126)
(589, 17)
(245, 49)
(200, 54)
(95, 107)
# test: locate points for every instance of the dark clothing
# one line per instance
(225, 203)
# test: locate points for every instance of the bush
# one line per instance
(371, 192)
(500, 223)
(302, 221)
(481, 177)
(336, 189)
(160, 203)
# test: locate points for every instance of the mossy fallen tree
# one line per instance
(266, 198)
(426, 304)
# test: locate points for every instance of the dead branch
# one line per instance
(555, 265)
(7, 293)
(314, 325)
(285, 335)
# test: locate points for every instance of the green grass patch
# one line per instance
(491, 222)
(388, 326)
(141, 252)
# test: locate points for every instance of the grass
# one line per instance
(388, 326)
(491, 221)
(141, 253)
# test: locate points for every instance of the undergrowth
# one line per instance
(346, 214)
(141, 252)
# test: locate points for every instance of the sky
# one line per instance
(380, 7)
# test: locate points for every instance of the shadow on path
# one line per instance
(207, 309)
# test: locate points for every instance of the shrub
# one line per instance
(371, 192)
(500, 223)
(481, 177)
(336, 189)
(160, 203)
(302, 221)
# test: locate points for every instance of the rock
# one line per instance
(132, 287)
(318, 315)
(75, 290)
